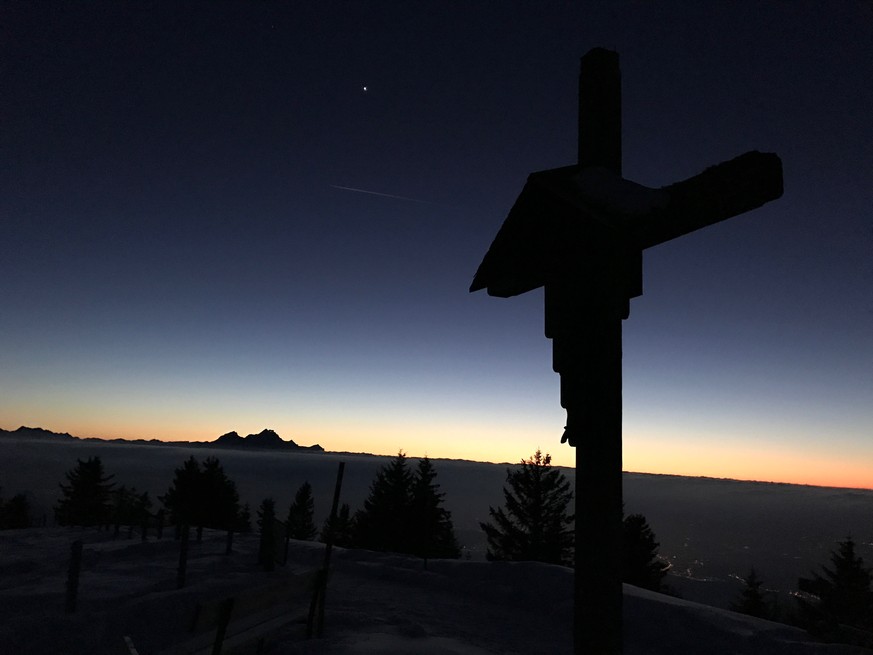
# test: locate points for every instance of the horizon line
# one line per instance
(324, 451)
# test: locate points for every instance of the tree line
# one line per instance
(834, 604)
(403, 512)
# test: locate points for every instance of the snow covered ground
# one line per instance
(376, 603)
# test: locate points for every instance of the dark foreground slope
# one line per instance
(376, 603)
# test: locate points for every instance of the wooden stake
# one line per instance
(73, 575)
(315, 621)
(183, 557)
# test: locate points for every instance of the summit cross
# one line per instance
(579, 232)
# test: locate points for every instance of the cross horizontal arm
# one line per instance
(566, 220)
(718, 193)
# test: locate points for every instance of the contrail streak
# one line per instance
(376, 193)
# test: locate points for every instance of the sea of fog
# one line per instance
(711, 531)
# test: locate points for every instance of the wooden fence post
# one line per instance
(73, 575)
(315, 621)
(183, 557)
(223, 621)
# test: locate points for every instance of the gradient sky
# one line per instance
(181, 255)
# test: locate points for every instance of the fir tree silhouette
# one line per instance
(536, 524)
(382, 524)
(86, 498)
(843, 592)
(267, 527)
(340, 529)
(184, 497)
(203, 497)
(129, 507)
(641, 566)
(751, 600)
(300, 521)
(431, 533)
(15, 513)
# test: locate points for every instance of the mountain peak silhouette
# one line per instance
(267, 439)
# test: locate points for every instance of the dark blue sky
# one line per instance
(177, 260)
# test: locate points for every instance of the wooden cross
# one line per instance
(579, 232)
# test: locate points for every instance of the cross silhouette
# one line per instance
(579, 232)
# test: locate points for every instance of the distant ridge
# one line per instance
(24, 431)
(263, 440)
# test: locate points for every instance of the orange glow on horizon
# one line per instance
(761, 463)
(737, 460)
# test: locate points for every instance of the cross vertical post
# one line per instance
(584, 323)
(600, 110)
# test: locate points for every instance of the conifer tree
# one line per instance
(843, 592)
(431, 532)
(86, 498)
(300, 522)
(243, 522)
(220, 500)
(382, 523)
(129, 507)
(204, 497)
(15, 513)
(751, 600)
(641, 566)
(340, 530)
(184, 498)
(536, 524)
(267, 527)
